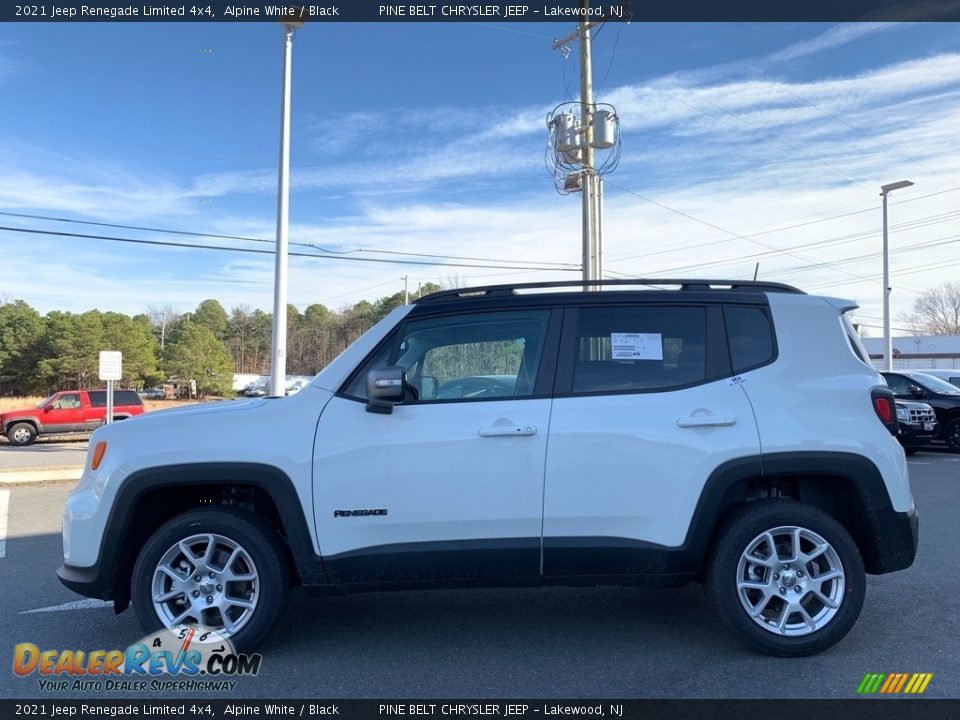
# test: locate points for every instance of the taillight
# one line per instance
(885, 407)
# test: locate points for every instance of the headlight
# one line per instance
(902, 414)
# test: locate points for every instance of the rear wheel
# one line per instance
(787, 577)
(220, 568)
(21, 434)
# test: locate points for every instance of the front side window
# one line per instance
(67, 402)
(934, 384)
(640, 348)
(464, 357)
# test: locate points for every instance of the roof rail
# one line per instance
(491, 291)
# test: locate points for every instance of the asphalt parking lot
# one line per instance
(44, 454)
(547, 643)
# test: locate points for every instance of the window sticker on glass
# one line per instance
(636, 346)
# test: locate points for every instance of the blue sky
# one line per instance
(429, 138)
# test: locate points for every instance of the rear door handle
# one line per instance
(705, 421)
(507, 431)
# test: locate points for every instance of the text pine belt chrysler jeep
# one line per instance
(536, 434)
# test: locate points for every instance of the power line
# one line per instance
(221, 248)
(263, 240)
(730, 232)
(819, 244)
(356, 292)
(784, 228)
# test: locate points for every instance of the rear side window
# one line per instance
(749, 336)
(640, 349)
(98, 398)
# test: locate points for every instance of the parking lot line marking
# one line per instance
(88, 604)
(4, 504)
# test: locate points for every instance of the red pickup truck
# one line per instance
(68, 411)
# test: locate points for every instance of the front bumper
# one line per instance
(88, 581)
(913, 435)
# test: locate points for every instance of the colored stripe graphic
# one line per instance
(894, 683)
(870, 683)
(903, 681)
(918, 683)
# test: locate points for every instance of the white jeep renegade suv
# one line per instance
(729, 431)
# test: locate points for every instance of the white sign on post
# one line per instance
(111, 364)
(111, 368)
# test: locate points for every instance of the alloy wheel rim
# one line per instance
(790, 581)
(21, 435)
(207, 580)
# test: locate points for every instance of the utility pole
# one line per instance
(588, 178)
(576, 136)
(406, 290)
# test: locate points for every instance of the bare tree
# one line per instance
(936, 311)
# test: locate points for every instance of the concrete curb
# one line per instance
(33, 477)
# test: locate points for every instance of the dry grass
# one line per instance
(13, 403)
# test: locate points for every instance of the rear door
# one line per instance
(646, 409)
(450, 484)
(96, 412)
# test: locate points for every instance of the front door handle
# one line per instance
(705, 421)
(507, 431)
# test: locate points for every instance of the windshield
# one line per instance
(934, 384)
(40, 405)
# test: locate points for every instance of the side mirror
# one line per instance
(48, 408)
(915, 391)
(385, 388)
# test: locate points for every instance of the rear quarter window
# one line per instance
(749, 336)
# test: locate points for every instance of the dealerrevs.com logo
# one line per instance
(197, 658)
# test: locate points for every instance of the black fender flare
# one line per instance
(112, 569)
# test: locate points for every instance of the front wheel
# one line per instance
(220, 568)
(21, 434)
(787, 577)
(951, 434)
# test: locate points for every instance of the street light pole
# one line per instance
(887, 338)
(278, 364)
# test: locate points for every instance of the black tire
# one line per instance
(254, 535)
(21, 434)
(951, 435)
(732, 540)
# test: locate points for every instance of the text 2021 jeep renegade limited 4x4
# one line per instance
(729, 431)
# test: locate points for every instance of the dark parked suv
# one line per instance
(943, 397)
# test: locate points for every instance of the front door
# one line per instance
(64, 414)
(450, 484)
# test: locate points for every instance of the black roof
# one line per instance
(493, 292)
